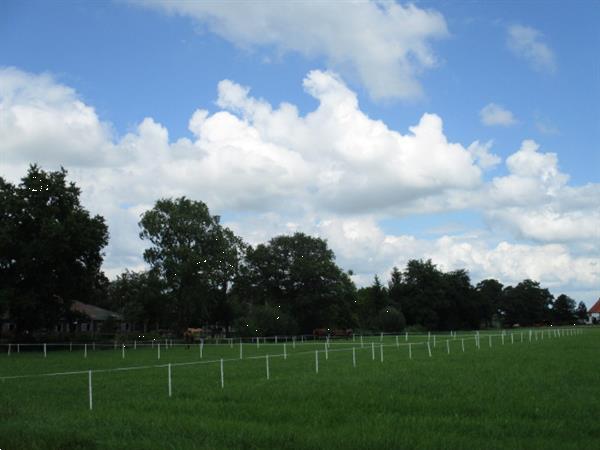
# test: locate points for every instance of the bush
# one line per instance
(266, 321)
(391, 319)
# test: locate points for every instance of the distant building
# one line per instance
(94, 317)
(91, 320)
(594, 313)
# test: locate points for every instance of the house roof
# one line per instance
(95, 312)
(596, 308)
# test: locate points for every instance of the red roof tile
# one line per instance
(595, 308)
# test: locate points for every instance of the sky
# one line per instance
(461, 131)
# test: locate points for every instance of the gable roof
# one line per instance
(95, 312)
(596, 308)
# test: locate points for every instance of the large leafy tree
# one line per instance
(298, 275)
(563, 310)
(139, 297)
(490, 299)
(424, 296)
(526, 304)
(50, 249)
(581, 311)
(195, 256)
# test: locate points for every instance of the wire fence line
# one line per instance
(268, 340)
(350, 347)
(325, 351)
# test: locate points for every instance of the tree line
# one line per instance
(200, 273)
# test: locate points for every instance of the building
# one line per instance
(93, 317)
(594, 313)
(90, 320)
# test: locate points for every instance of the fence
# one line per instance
(376, 346)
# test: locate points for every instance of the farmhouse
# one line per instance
(91, 319)
(594, 313)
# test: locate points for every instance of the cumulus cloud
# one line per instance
(528, 44)
(481, 153)
(535, 201)
(493, 114)
(385, 44)
(45, 121)
(333, 172)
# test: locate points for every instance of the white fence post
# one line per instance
(45, 351)
(85, 350)
(201, 348)
(123, 352)
(434, 341)
(362, 344)
(429, 349)
(410, 350)
(267, 363)
(462, 344)
(381, 352)
(326, 352)
(170, 387)
(316, 361)
(284, 351)
(397, 344)
(373, 350)
(90, 389)
(353, 356)
(9, 348)
(222, 375)
(241, 351)
(158, 356)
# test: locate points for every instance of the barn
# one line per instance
(594, 313)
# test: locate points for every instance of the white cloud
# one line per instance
(492, 114)
(481, 153)
(384, 44)
(527, 43)
(332, 172)
(535, 202)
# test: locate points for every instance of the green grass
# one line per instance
(543, 394)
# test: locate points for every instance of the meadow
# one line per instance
(514, 393)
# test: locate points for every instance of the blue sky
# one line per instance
(531, 65)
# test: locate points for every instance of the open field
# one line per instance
(539, 394)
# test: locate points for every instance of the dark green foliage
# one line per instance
(50, 249)
(581, 312)
(194, 256)
(266, 320)
(139, 298)
(390, 319)
(490, 298)
(526, 304)
(298, 275)
(563, 310)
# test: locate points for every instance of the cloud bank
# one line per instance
(383, 44)
(334, 172)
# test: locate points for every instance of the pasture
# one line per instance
(391, 392)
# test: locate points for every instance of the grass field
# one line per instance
(539, 394)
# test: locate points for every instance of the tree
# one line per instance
(195, 257)
(424, 294)
(526, 304)
(50, 249)
(395, 288)
(298, 275)
(490, 299)
(563, 310)
(581, 312)
(461, 301)
(139, 297)
(391, 319)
